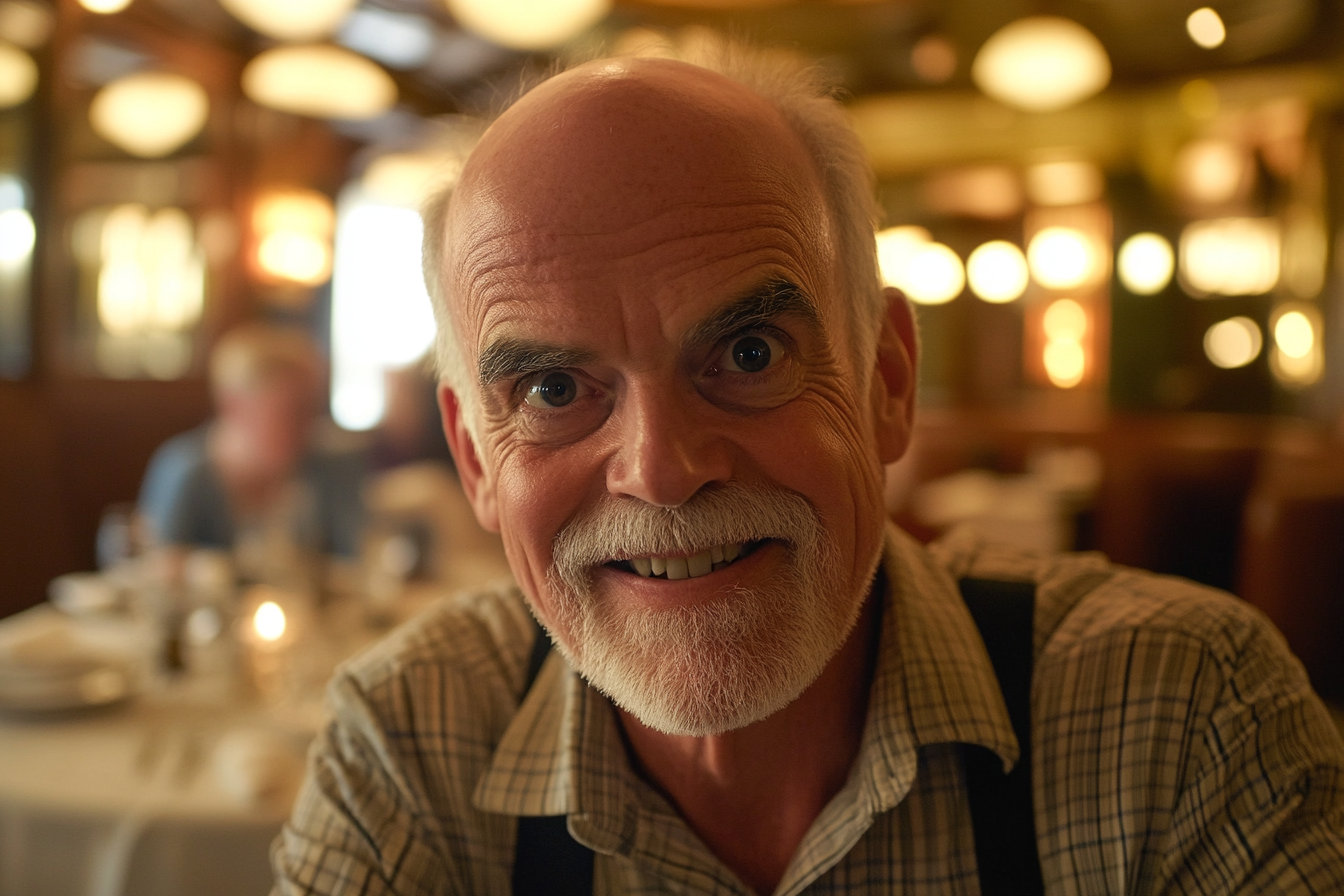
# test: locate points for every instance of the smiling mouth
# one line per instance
(692, 567)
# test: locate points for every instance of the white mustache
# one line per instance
(735, 512)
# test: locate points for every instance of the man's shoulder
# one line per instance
(484, 635)
(1083, 599)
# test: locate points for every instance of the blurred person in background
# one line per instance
(268, 468)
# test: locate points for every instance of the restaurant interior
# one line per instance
(1119, 221)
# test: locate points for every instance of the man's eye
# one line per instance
(752, 354)
(552, 390)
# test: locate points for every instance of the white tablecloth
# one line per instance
(160, 795)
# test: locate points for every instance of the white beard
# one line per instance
(712, 668)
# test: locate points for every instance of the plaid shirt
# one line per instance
(1177, 749)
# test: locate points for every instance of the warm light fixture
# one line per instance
(895, 247)
(1206, 28)
(149, 114)
(269, 621)
(528, 24)
(319, 80)
(406, 178)
(1145, 263)
(18, 76)
(934, 275)
(18, 235)
(1064, 324)
(1297, 359)
(1061, 258)
(1233, 343)
(293, 231)
(105, 7)
(1041, 63)
(1230, 256)
(997, 271)
(294, 20)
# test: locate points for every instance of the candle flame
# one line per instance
(269, 621)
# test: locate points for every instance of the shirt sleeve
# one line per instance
(1263, 811)
(356, 826)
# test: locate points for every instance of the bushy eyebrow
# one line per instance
(510, 358)
(771, 300)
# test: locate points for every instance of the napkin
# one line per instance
(257, 767)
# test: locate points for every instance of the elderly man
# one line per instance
(672, 382)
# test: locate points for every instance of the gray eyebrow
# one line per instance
(772, 299)
(508, 358)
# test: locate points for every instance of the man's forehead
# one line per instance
(610, 143)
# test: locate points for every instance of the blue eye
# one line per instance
(553, 390)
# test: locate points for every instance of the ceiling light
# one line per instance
(528, 24)
(997, 271)
(1233, 343)
(105, 7)
(1145, 263)
(293, 20)
(1297, 359)
(149, 114)
(319, 80)
(1206, 28)
(18, 76)
(1041, 63)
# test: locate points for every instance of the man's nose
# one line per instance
(670, 447)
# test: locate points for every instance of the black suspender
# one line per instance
(549, 861)
(1001, 811)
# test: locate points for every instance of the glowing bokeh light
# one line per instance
(1061, 258)
(1211, 171)
(291, 20)
(1233, 343)
(528, 24)
(1145, 263)
(105, 7)
(269, 621)
(1041, 63)
(935, 275)
(149, 114)
(1294, 334)
(1064, 320)
(895, 247)
(1206, 28)
(18, 76)
(1065, 362)
(319, 80)
(18, 235)
(1230, 256)
(997, 271)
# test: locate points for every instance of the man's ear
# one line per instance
(477, 482)
(893, 387)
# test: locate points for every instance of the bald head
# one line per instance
(627, 145)
(609, 144)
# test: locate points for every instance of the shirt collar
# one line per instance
(563, 752)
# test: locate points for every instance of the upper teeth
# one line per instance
(687, 567)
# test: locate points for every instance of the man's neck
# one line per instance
(752, 794)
